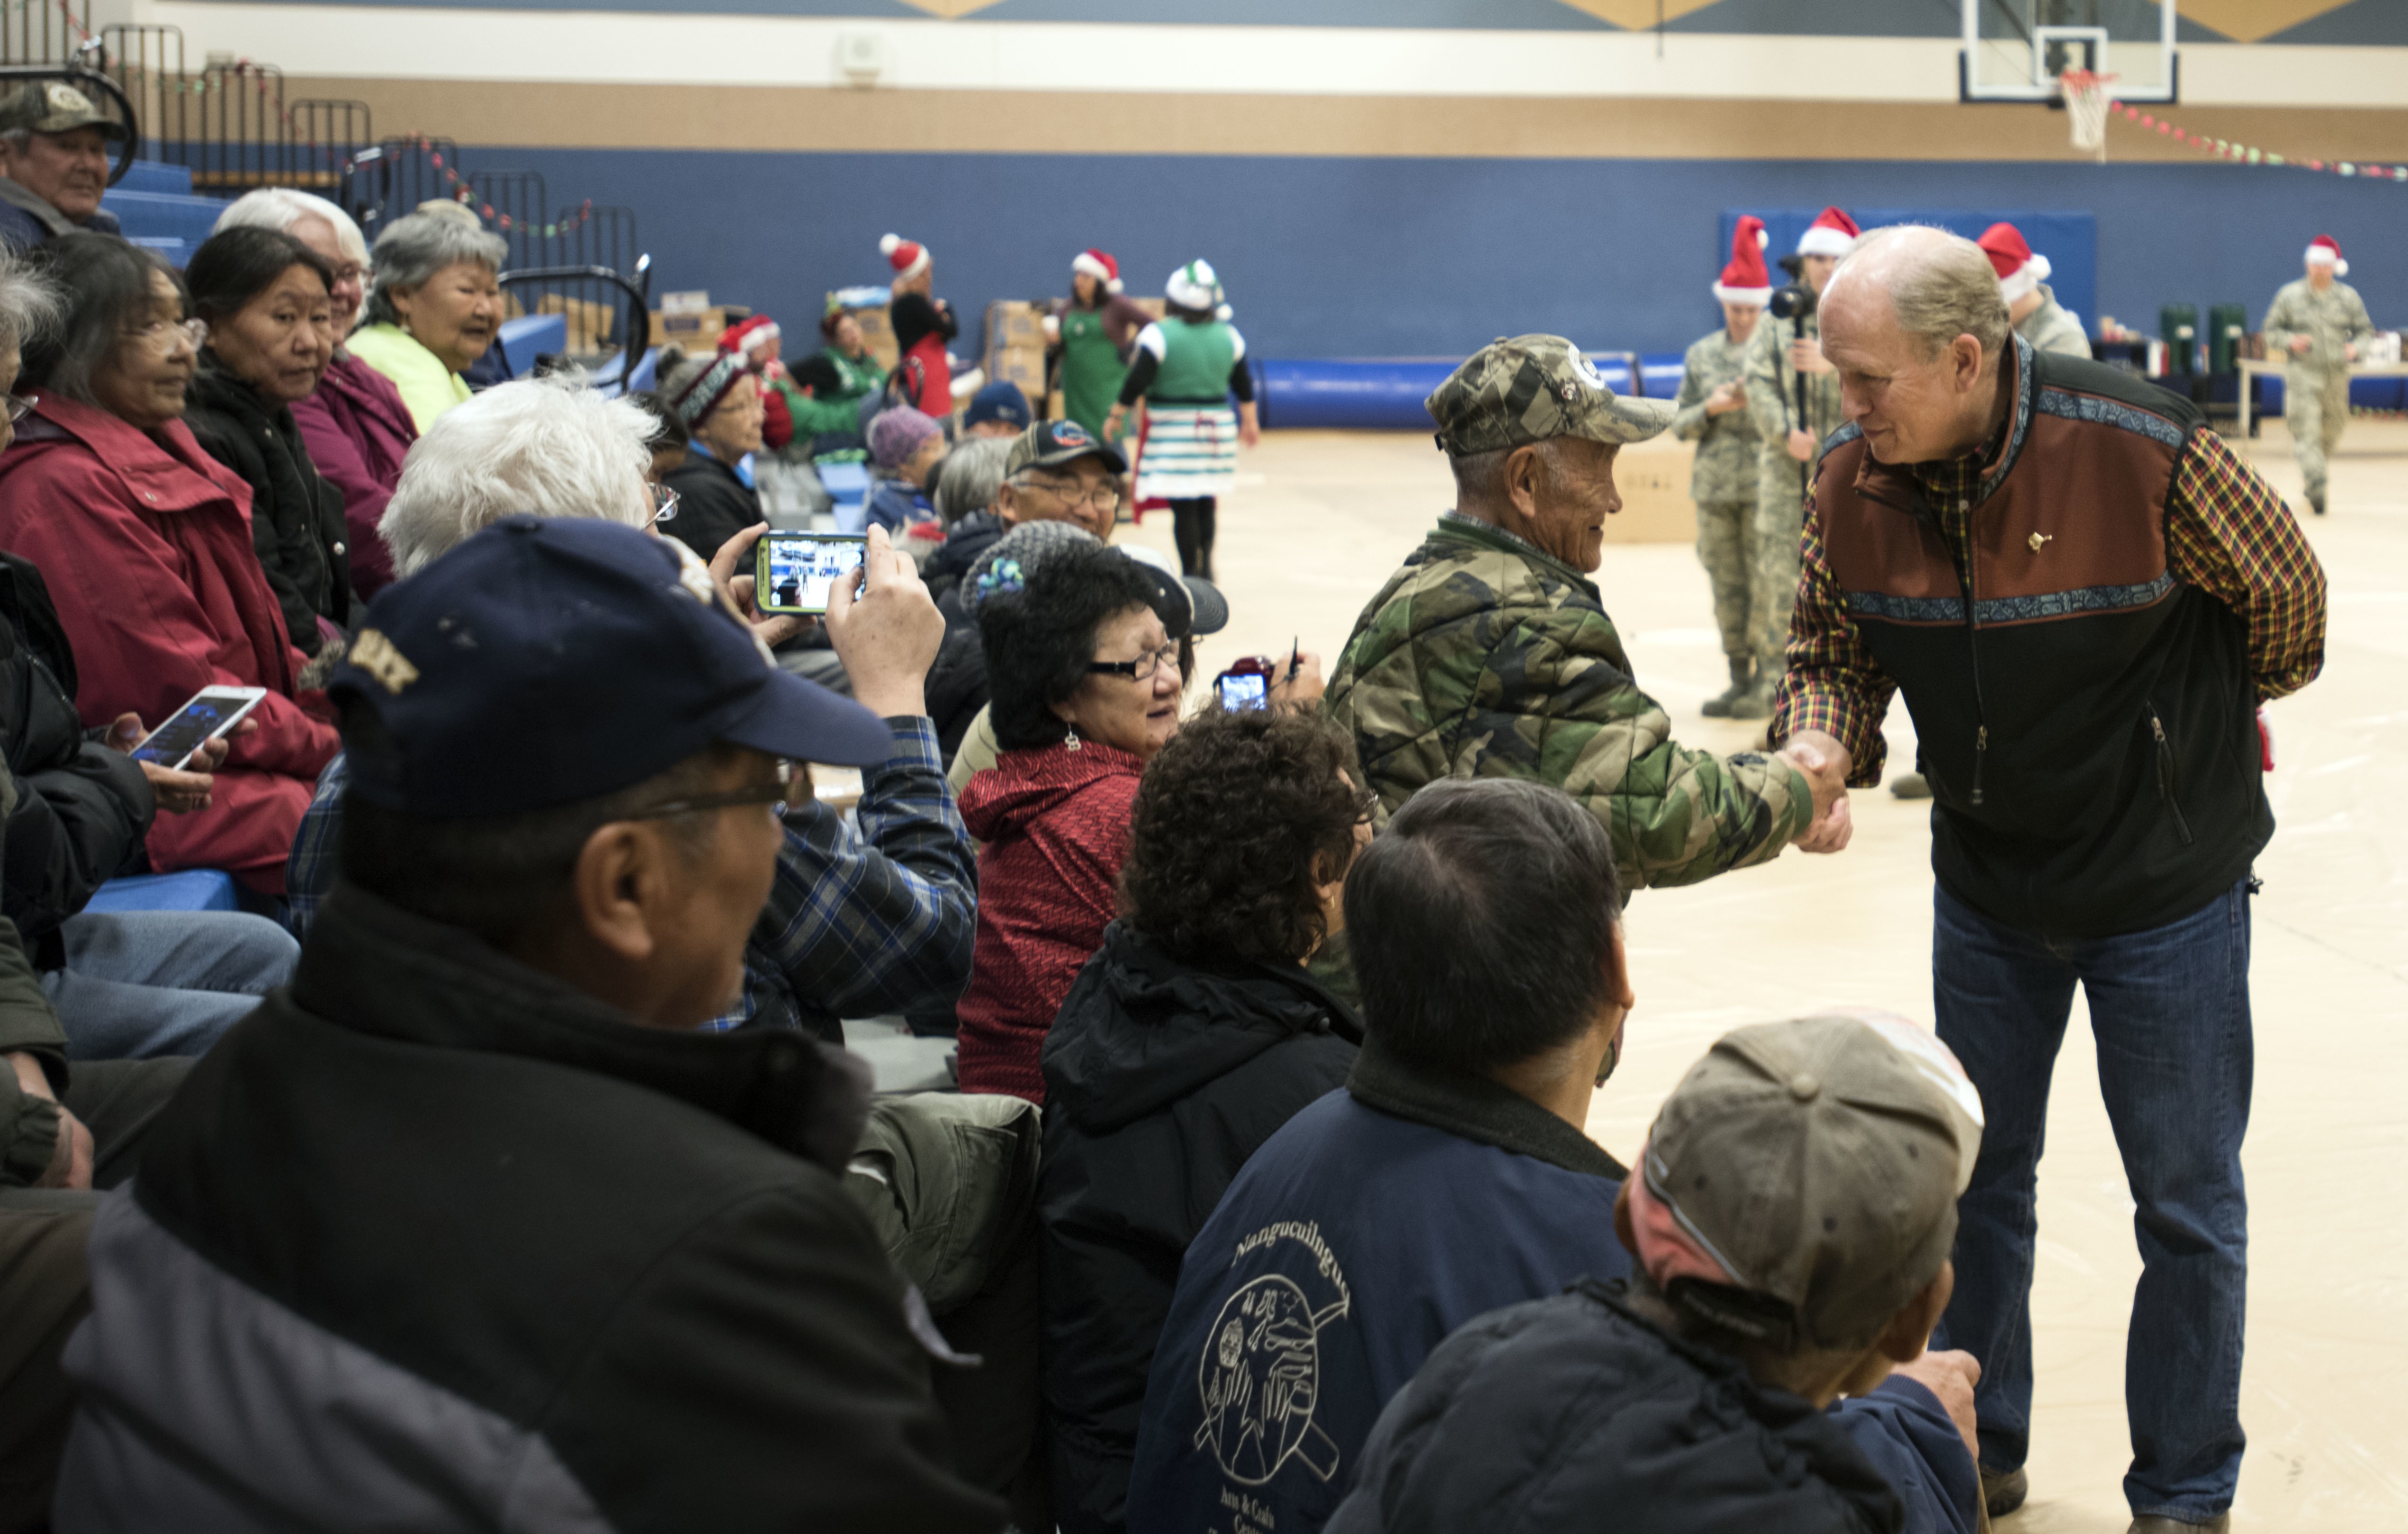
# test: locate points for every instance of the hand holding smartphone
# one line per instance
(793, 572)
(207, 715)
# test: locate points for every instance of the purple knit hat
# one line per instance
(896, 434)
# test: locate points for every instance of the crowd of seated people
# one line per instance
(505, 1151)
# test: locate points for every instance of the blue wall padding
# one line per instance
(1387, 396)
(2070, 240)
(1361, 257)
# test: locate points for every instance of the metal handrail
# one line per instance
(78, 75)
(638, 289)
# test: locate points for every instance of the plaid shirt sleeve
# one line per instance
(861, 924)
(2228, 534)
(1833, 683)
(309, 873)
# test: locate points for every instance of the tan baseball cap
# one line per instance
(56, 107)
(1819, 1163)
(1532, 388)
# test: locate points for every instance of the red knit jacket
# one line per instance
(1055, 824)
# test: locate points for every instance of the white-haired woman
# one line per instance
(434, 307)
(355, 426)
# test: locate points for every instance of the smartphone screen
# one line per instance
(1244, 690)
(211, 713)
(792, 571)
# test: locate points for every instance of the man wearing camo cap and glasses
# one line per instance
(1490, 653)
(53, 164)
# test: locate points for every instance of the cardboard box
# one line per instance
(1009, 325)
(1654, 479)
(1024, 366)
(692, 328)
(879, 333)
(692, 302)
(590, 325)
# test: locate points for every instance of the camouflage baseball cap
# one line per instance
(56, 107)
(1532, 388)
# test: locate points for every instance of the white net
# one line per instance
(2086, 109)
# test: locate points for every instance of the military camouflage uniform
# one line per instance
(2050, 328)
(2316, 384)
(1780, 490)
(1486, 656)
(1722, 481)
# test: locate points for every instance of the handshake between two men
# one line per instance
(1825, 763)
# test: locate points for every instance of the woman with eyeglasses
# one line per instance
(355, 426)
(716, 397)
(1083, 685)
(264, 297)
(147, 544)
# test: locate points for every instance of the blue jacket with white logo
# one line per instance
(1374, 1223)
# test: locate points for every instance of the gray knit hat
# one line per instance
(1008, 564)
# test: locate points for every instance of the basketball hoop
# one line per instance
(2086, 109)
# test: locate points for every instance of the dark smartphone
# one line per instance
(793, 572)
(210, 712)
(1246, 684)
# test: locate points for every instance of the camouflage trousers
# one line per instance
(1780, 519)
(1726, 548)
(2315, 407)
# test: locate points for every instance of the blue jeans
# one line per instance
(140, 983)
(2170, 1010)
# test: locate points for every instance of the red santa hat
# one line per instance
(2019, 270)
(2325, 250)
(1745, 281)
(1100, 265)
(746, 338)
(908, 258)
(1830, 235)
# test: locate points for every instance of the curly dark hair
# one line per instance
(1040, 640)
(1237, 821)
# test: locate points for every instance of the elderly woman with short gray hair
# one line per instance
(355, 426)
(434, 307)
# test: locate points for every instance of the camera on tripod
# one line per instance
(1796, 300)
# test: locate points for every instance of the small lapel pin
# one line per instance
(2039, 538)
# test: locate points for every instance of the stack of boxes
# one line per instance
(691, 321)
(1015, 348)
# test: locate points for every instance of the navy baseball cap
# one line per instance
(548, 661)
(998, 401)
(1049, 444)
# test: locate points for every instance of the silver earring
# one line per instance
(1070, 737)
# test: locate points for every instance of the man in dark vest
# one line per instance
(2088, 726)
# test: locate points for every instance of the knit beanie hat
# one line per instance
(896, 434)
(908, 257)
(693, 386)
(1100, 265)
(1745, 281)
(1008, 562)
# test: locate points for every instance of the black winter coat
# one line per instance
(1577, 1413)
(713, 505)
(296, 518)
(1161, 1078)
(82, 809)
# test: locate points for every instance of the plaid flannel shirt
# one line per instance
(2227, 533)
(857, 924)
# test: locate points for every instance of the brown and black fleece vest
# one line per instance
(2088, 724)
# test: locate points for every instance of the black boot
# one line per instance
(1743, 673)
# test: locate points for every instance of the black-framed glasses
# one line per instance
(773, 795)
(1140, 670)
(665, 504)
(18, 408)
(1105, 496)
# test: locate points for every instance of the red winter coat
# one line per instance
(1056, 823)
(145, 540)
(358, 431)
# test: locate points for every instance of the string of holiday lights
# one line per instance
(2240, 153)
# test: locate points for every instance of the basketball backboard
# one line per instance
(2016, 49)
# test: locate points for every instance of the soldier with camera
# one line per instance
(1794, 398)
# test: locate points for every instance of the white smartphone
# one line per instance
(211, 713)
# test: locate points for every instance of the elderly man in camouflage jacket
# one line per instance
(1490, 653)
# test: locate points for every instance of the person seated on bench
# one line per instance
(493, 1233)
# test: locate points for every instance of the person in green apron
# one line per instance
(1092, 334)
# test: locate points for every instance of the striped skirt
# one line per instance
(1187, 450)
